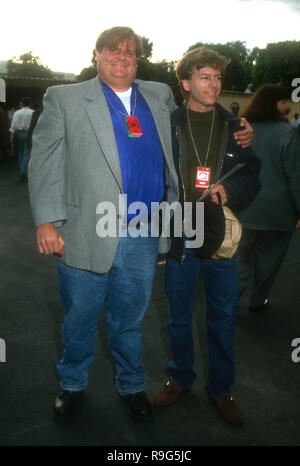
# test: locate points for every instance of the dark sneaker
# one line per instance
(139, 405)
(65, 402)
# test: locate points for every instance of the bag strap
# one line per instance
(233, 170)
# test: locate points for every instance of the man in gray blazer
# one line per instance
(95, 141)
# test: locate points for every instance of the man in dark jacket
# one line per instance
(204, 147)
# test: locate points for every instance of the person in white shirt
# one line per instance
(295, 121)
(19, 127)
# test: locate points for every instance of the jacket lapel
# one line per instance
(99, 117)
(160, 114)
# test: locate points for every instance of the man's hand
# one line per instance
(221, 190)
(298, 224)
(48, 239)
(245, 136)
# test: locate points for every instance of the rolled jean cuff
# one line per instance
(131, 392)
(172, 379)
(73, 388)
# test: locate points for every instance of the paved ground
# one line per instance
(267, 385)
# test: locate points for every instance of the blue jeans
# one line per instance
(23, 151)
(221, 296)
(125, 292)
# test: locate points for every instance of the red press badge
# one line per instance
(203, 177)
(133, 127)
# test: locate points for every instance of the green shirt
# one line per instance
(200, 124)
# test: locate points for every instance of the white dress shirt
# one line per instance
(21, 119)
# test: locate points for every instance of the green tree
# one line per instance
(277, 63)
(238, 73)
(87, 73)
(28, 65)
(147, 48)
(163, 72)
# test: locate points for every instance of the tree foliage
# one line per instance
(277, 63)
(27, 65)
(87, 73)
(162, 71)
(147, 48)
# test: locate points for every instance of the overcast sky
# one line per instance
(63, 32)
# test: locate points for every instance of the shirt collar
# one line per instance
(134, 85)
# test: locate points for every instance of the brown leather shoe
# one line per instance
(228, 409)
(169, 395)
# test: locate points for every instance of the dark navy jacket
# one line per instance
(241, 187)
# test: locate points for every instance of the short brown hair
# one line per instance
(196, 59)
(111, 38)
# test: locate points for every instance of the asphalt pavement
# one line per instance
(267, 366)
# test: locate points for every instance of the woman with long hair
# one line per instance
(269, 222)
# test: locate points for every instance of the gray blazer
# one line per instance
(277, 204)
(75, 165)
